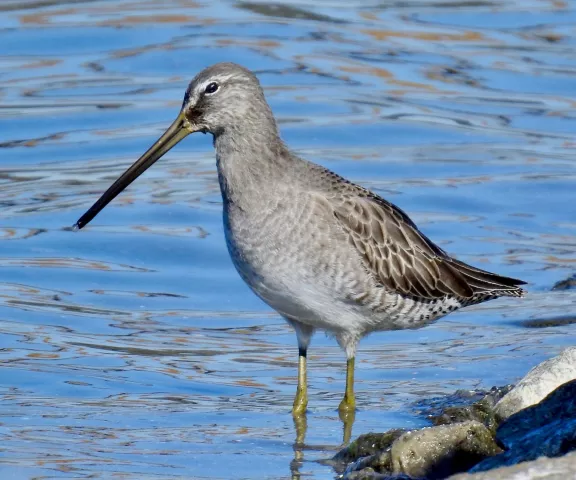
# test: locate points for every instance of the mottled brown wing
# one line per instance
(398, 255)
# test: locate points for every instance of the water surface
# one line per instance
(133, 350)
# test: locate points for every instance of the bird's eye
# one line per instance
(211, 88)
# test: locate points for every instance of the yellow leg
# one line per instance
(301, 399)
(348, 403)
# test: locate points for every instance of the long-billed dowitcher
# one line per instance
(323, 252)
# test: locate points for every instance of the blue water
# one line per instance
(133, 350)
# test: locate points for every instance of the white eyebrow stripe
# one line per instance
(217, 79)
(192, 95)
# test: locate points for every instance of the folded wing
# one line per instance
(404, 260)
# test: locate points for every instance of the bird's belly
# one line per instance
(290, 281)
(312, 305)
(325, 288)
(313, 302)
(288, 293)
(299, 295)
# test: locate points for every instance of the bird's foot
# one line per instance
(347, 405)
(300, 403)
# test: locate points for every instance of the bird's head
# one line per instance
(221, 98)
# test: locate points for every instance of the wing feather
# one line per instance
(398, 255)
(395, 252)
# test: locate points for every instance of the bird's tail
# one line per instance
(491, 284)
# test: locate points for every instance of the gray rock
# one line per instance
(437, 452)
(370, 474)
(566, 284)
(551, 440)
(547, 429)
(465, 405)
(562, 468)
(558, 407)
(367, 445)
(370, 467)
(538, 383)
(431, 453)
(539, 420)
(547, 322)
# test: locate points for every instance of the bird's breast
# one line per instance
(260, 241)
(292, 257)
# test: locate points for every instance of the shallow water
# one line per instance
(133, 350)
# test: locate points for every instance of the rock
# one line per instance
(370, 467)
(551, 440)
(547, 322)
(566, 284)
(538, 383)
(370, 474)
(366, 445)
(465, 405)
(562, 468)
(558, 407)
(538, 419)
(437, 452)
(547, 429)
(431, 453)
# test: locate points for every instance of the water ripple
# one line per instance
(133, 349)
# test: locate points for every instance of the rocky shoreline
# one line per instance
(525, 432)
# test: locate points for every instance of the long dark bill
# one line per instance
(176, 132)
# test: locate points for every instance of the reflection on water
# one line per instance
(133, 349)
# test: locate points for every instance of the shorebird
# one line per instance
(323, 252)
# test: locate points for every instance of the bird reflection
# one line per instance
(301, 427)
(347, 422)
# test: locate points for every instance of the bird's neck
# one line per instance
(249, 161)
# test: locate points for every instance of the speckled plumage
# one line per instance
(325, 253)
(331, 255)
